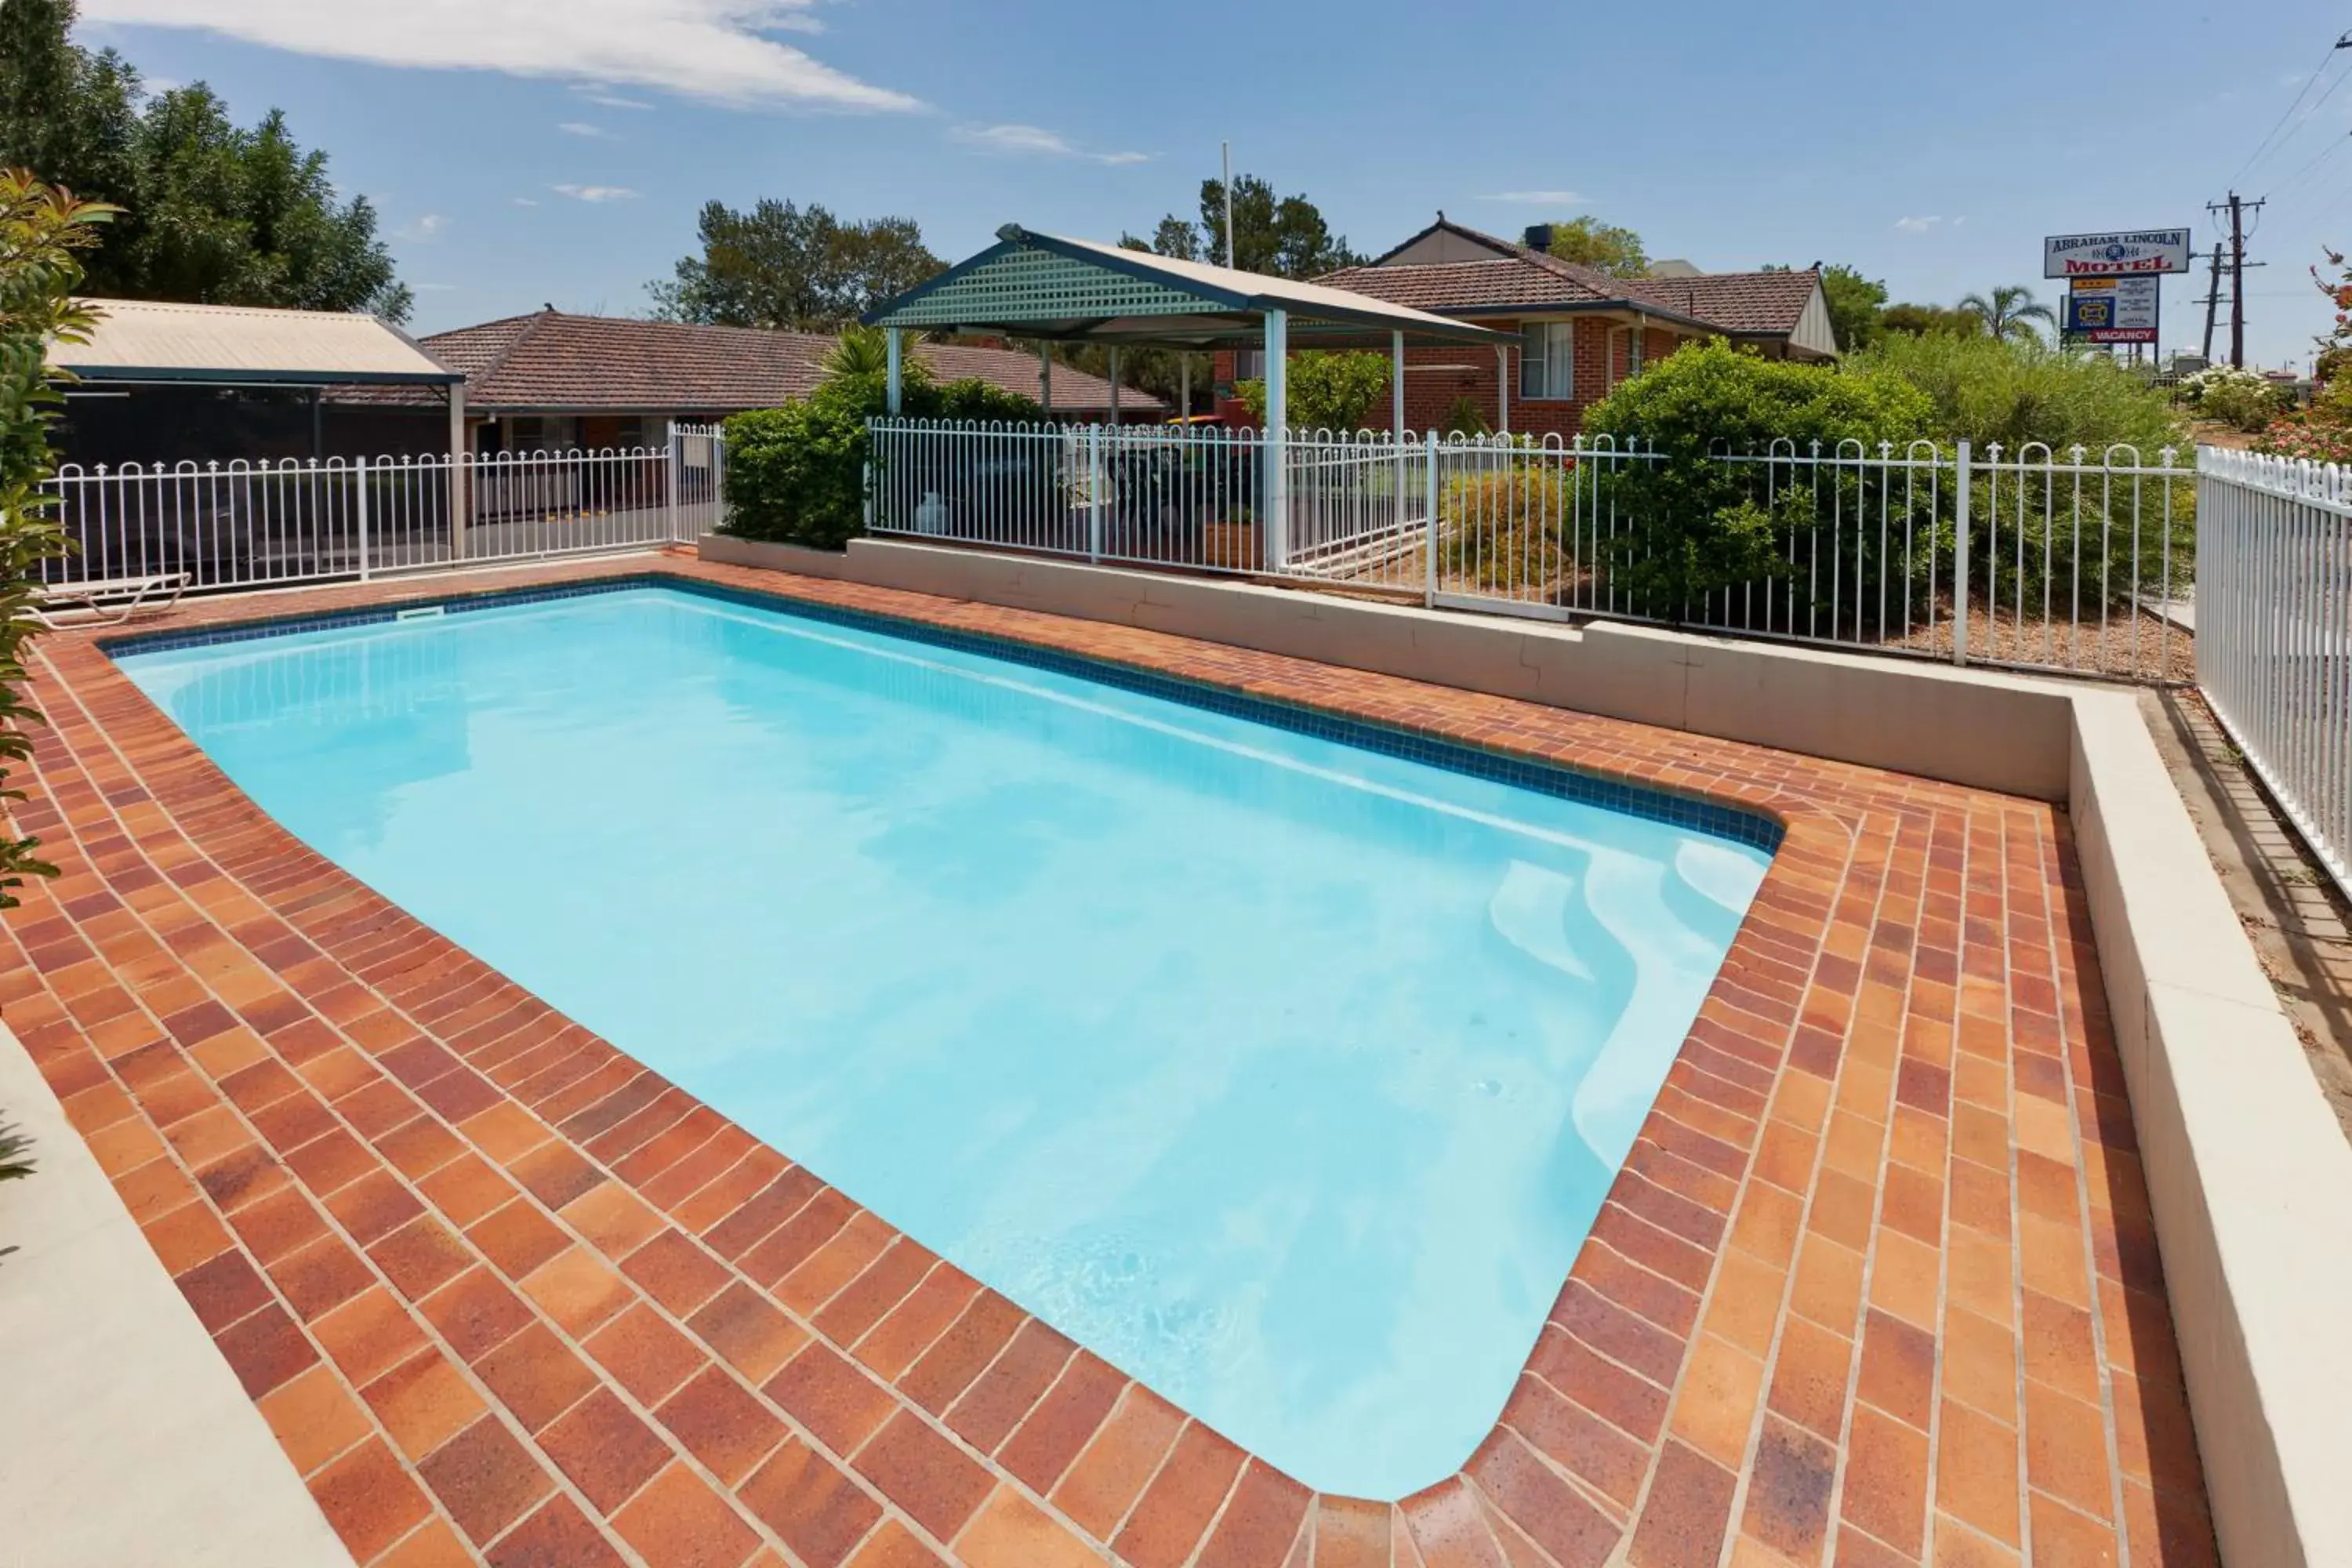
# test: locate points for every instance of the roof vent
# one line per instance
(1537, 238)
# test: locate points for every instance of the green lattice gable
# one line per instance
(1040, 286)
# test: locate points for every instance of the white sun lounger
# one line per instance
(112, 599)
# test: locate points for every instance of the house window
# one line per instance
(1249, 364)
(1548, 361)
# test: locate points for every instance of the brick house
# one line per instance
(1577, 331)
(552, 381)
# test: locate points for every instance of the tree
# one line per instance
(2008, 312)
(1921, 321)
(792, 269)
(1287, 237)
(213, 213)
(1603, 247)
(865, 350)
(43, 232)
(1325, 391)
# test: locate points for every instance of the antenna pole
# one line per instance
(1227, 149)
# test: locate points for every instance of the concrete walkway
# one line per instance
(131, 1443)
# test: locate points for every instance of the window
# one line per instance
(1249, 364)
(1548, 361)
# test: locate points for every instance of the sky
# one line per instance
(532, 152)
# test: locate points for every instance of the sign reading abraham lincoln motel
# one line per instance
(2116, 254)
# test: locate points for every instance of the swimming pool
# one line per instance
(1283, 1064)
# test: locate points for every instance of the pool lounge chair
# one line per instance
(110, 600)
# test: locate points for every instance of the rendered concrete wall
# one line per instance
(2248, 1174)
(2249, 1177)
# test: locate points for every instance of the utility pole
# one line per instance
(2213, 301)
(2237, 207)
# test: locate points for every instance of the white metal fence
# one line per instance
(1156, 496)
(2068, 560)
(2274, 633)
(245, 524)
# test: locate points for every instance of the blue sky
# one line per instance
(531, 151)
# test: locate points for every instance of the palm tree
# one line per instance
(859, 350)
(2009, 313)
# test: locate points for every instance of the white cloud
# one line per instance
(1917, 225)
(428, 226)
(595, 192)
(718, 50)
(526, 201)
(581, 128)
(1536, 199)
(596, 92)
(1032, 139)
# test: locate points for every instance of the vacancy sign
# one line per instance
(2125, 255)
(2112, 309)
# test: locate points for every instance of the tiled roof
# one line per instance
(1738, 301)
(1446, 286)
(1518, 275)
(555, 362)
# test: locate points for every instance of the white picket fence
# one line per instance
(244, 524)
(2274, 633)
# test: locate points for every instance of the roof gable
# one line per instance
(1442, 241)
(1051, 285)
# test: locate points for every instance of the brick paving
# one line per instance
(1877, 1284)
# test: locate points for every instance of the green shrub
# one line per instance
(1986, 391)
(2077, 539)
(41, 231)
(1689, 525)
(797, 475)
(1465, 419)
(1326, 391)
(1504, 530)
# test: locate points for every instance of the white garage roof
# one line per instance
(151, 340)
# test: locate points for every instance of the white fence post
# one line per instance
(674, 459)
(360, 490)
(1960, 555)
(1095, 493)
(1429, 552)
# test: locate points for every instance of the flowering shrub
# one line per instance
(2239, 398)
(2318, 441)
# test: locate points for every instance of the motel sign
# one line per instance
(2126, 253)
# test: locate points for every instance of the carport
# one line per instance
(145, 350)
(1052, 288)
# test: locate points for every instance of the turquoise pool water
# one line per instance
(1285, 1074)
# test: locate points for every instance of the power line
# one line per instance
(2343, 42)
(2318, 158)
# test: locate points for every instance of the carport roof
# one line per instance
(1031, 285)
(152, 340)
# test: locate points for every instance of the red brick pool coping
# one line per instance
(1877, 1284)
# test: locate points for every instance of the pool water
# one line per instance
(1284, 1074)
